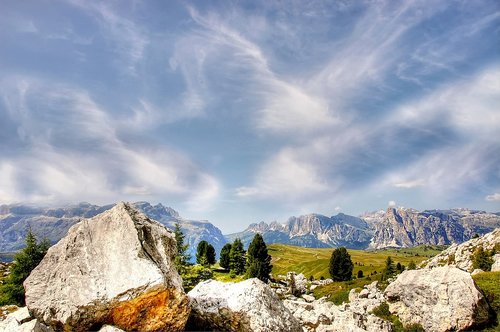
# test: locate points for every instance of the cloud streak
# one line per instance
(72, 151)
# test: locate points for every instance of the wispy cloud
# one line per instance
(128, 37)
(72, 152)
(493, 198)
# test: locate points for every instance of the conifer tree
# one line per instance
(224, 260)
(205, 254)
(237, 257)
(182, 258)
(341, 265)
(12, 292)
(258, 259)
(389, 270)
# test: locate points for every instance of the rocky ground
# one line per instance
(115, 272)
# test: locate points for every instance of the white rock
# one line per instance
(250, 305)
(440, 299)
(115, 268)
(109, 328)
(353, 295)
(476, 271)
(321, 315)
(21, 321)
(496, 263)
(308, 298)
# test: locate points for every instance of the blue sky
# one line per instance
(242, 111)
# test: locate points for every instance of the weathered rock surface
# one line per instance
(116, 268)
(21, 321)
(404, 227)
(460, 255)
(440, 299)
(355, 316)
(496, 263)
(250, 305)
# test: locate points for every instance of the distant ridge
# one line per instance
(53, 223)
(394, 227)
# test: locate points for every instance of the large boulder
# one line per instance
(250, 305)
(441, 299)
(117, 269)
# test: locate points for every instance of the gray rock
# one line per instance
(308, 298)
(460, 255)
(440, 299)
(404, 227)
(116, 268)
(322, 315)
(496, 263)
(250, 305)
(21, 321)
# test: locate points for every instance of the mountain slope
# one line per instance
(408, 227)
(312, 230)
(53, 223)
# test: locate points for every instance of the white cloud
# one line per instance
(391, 204)
(493, 198)
(246, 191)
(72, 152)
(410, 184)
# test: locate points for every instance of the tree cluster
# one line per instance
(256, 263)
(205, 254)
(12, 291)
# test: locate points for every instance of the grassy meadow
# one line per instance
(314, 262)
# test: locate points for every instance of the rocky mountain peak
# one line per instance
(158, 211)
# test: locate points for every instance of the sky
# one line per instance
(248, 111)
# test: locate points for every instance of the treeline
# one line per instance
(254, 263)
(341, 266)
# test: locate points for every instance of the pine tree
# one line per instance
(258, 259)
(224, 260)
(210, 253)
(412, 265)
(12, 292)
(201, 253)
(389, 270)
(237, 257)
(182, 258)
(341, 265)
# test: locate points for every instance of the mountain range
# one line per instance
(394, 227)
(53, 223)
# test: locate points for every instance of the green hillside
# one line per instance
(314, 261)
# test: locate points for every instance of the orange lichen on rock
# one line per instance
(157, 310)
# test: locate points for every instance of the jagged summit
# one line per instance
(312, 230)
